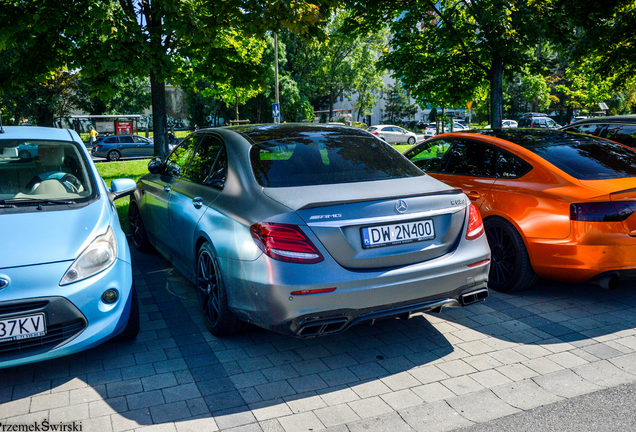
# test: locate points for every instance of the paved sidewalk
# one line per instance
(434, 372)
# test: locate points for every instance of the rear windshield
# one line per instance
(40, 171)
(591, 160)
(327, 159)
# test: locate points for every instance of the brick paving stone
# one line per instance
(302, 422)
(490, 378)
(336, 415)
(516, 372)
(481, 406)
(338, 377)
(542, 365)
(270, 409)
(462, 385)
(123, 388)
(387, 422)
(603, 373)
(337, 396)
(434, 417)
(525, 395)
(234, 419)
(308, 367)
(370, 407)
(145, 399)
(401, 399)
(278, 373)
(104, 407)
(197, 425)
(566, 384)
(307, 383)
(304, 402)
(69, 414)
(50, 401)
(456, 368)
(371, 388)
(626, 363)
(170, 412)
(14, 408)
(31, 389)
(432, 392)
(482, 362)
(428, 374)
(275, 390)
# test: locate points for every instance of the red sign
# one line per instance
(124, 127)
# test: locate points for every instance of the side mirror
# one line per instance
(155, 165)
(120, 188)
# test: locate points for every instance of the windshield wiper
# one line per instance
(32, 201)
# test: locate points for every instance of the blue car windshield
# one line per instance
(327, 159)
(44, 173)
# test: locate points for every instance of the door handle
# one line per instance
(473, 195)
(167, 187)
(197, 202)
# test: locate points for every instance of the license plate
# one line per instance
(394, 234)
(24, 327)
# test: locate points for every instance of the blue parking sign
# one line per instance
(275, 110)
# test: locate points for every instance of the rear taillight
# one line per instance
(374, 132)
(285, 242)
(602, 211)
(475, 224)
(97, 147)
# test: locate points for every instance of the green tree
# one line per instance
(445, 52)
(398, 105)
(165, 40)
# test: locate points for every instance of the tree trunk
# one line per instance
(331, 102)
(236, 112)
(159, 119)
(496, 90)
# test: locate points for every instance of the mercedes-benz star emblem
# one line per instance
(401, 206)
(3, 283)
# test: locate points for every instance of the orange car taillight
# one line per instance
(602, 211)
(285, 242)
(475, 224)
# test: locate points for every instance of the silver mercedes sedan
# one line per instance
(307, 230)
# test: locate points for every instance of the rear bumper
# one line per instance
(570, 262)
(260, 291)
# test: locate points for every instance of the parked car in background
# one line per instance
(393, 134)
(621, 129)
(555, 204)
(577, 118)
(65, 268)
(505, 124)
(535, 120)
(115, 147)
(307, 230)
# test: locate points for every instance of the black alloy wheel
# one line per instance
(218, 318)
(510, 268)
(139, 236)
(113, 155)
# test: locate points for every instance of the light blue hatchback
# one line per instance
(65, 268)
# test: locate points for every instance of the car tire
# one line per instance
(212, 294)
(113, 155)
(132, 326)
(411, 140)
(510, 267)
(24, 154)
(137, 229)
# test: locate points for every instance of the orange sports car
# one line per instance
(555, 204)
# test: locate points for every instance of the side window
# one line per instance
(219, 171)
(509, 166)
(472, 158)
(624, 134)
(204, 158)
(428, 157)
(551, 123)
(177, 163)
(590, 129)
(112, 140)
(125, 140)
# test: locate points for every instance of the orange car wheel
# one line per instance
(510, 268)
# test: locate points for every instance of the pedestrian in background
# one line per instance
(196, 128)
(93, 134)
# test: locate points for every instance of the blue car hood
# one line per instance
(40, 237)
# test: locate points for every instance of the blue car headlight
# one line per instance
(98, 256)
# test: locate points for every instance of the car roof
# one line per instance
(528, 138)
(272, 132)
(630, 118)
(37, 132)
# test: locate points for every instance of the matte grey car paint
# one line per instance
(180, 216)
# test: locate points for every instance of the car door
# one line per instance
(470, 166)
(143, 147)
(191, 195)
(388, 134)
(126, 146)
(156, 193)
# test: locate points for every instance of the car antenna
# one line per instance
(1, 129)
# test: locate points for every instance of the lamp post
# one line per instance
(277, 103)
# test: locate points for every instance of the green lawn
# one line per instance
(132, 169)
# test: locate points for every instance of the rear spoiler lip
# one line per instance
(454, 191)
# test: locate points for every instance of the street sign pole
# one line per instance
(277, 102)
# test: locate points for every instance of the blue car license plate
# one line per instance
(24, 327)
(394, 234)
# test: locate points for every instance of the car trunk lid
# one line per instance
(622, 194)
(371, 226)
